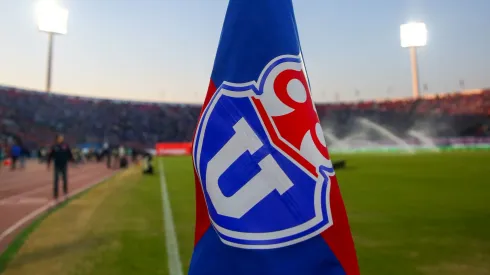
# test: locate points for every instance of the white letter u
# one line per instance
(270, 178)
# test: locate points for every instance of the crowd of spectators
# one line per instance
(448, 115)
(35, 117)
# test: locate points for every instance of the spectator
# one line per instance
(35, 117)
(15, 154)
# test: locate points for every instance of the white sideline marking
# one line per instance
(174, 263)
(43, 208)
(25, 219)
(24, 201)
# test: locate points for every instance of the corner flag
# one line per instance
(267, 199)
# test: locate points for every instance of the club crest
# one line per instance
(261, 158)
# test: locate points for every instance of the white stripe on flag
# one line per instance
(174, 264)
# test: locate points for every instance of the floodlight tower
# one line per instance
(51, 19)
(414, 35)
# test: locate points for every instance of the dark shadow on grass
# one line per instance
(348, 168)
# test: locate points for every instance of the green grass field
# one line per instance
(410, 214)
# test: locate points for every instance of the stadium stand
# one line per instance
(34, 117)
(449, 115)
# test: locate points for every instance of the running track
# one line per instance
(26, 194)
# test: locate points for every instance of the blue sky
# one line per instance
(163, 50)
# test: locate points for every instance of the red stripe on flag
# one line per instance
(278, 142)
(338, 236)
(209, 95)
(202, 217)
(321, 148)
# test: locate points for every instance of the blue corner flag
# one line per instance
(267, 198)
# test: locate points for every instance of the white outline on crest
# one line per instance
(249, 90)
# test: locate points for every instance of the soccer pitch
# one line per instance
(426, 213)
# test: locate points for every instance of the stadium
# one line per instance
(412, 171)
(442, 122)
(415, 184)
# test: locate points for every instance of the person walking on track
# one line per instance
(15, 154)
(60, 154)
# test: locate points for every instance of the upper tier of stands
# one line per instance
(35, 117)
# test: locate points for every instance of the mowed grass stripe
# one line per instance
(179, 175)
(419, 214)
(116, 228)
(174, 264)
(410, 214)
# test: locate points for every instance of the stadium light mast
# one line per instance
(51, 19)
(414, 35)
